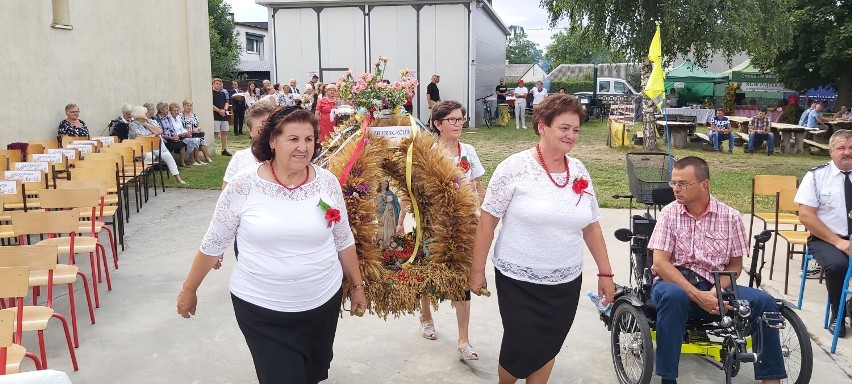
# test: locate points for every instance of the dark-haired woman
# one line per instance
(286, 285)
(448, 118)
(548, 207)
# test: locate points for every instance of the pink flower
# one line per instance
(384, 58)
(376, 63)
(397, 84)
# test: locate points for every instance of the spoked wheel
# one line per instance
(489, 119)
(631, 346)
(796, 347)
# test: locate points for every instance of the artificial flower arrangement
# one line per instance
(369, 91)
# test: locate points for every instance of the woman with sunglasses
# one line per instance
(448, 118)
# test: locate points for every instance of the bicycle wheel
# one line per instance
(489, 118)
(796, 346)
(631, 346)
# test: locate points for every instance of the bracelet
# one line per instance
(362, 285)
(185, 285)
(605, 275)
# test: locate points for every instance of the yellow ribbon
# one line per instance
(409, 165)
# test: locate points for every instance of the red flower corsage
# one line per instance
(332, 215)
(464, 164)
(579, 187)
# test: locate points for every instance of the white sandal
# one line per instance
(427, 330)
(467, 352)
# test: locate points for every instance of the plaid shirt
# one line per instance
(703, 244)
(758, 124)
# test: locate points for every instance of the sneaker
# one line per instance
(226, 153)
(814, 270)
(198, 163)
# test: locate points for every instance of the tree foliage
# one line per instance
(809, 46)
(224, 43)
(577, 45)
(519, 49)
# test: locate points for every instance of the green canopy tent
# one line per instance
(692, 82)
(754, 82)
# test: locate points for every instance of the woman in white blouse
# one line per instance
(448, 118)
(243, 159)
(547, 204)
(295, 251)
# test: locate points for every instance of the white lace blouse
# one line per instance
(541, 240)
(288, 255)
(241, 160)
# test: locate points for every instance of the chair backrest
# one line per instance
(34, 148)
(11, 154)
(70, 198)
(36, 257)
(83, 184)
(785, 200)
(769, 185)
(11, 191)
(70, 139)
(4, 163)
(45, 144)
(125, 150)
(105, 154)
(7, 332)
(14, 281)
(41, 222)
(97, 163)
(95, 174)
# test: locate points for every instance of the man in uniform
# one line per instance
(825, 202)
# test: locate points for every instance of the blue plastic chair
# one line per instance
(807, 260)
(841, 311)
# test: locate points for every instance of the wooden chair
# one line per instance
(769, 186)
(99, 215)
(4, 163)
(11, 154)
(44, 271)
(155, 145)
(12, 354)
(113, 197)
(46, 144)
(14, 282)
(785, 205)
(131, 170)
(70, 139)
(59, 222)
(84, 200)
(29, 190)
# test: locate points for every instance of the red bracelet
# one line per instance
(605, 275)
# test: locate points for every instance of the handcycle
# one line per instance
(724, 341)
(488, 114)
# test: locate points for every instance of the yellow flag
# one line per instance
(656, 88)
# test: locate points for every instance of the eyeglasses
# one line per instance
(681, 185)
(455, 120)
(73, 111)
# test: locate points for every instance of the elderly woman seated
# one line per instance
(170, 134)
(142, 125)
(194, 145)
(72, 125)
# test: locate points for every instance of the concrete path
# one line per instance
(139, 338)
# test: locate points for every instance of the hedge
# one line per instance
(571, 86)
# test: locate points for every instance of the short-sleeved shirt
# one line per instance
(476, 169)
(522, 195)
(433, 92)
(722, 123)
(822, 188)
(501, 89)
(288, 262)
(812, 118)
(66, 129)
(520, 93)
(220, 98)
(538, 96)
(803, 120)
(703, 244)
(758, 124)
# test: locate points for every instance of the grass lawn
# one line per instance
(731, 174)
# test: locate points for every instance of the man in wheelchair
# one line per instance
(694, 236)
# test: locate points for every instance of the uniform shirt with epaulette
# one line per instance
(822, 188)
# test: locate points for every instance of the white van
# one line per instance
(611, 86)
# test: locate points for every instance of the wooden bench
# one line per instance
(817, 145)
(703, 137)
(743, 136)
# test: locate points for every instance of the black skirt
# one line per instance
(536, 319)
(289, 347)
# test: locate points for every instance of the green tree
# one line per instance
(224, 44)
(577, 45)
(809, 46)
(689, 28)
(519, 49)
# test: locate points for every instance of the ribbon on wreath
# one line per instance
(351, 163)
(409, 165)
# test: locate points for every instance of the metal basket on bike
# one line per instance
(647, 171)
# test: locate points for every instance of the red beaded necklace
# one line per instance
(547, 171)
(307, 175)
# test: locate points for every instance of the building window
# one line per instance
(253, 44)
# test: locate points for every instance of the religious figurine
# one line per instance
(387, 213)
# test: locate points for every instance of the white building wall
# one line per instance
(265, 53)
(100, 65)
(444, 51)
(393, 31)
(343, 42)
(533, 75)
